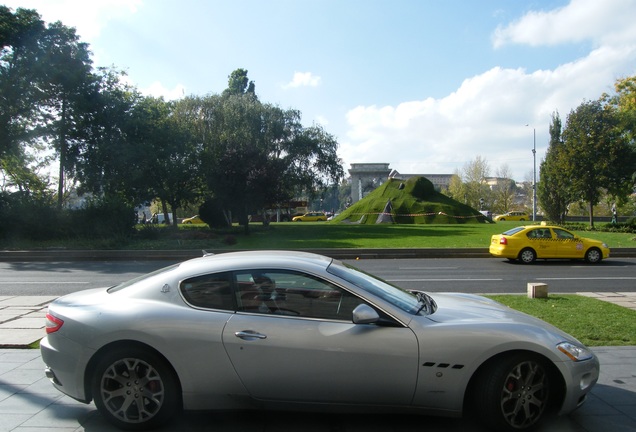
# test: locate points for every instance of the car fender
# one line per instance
(447, 370)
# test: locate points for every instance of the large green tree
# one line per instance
(256, 154)
(20, 96)
(553, 189)
(68, 85)
(597, 157)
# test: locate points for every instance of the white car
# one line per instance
(272, 328)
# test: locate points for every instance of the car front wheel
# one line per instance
(527, 256)
(513, 394)
(593, 256)
(134, 389)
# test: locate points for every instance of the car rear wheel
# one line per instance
(135, 389)
(527, 256)
(593, 256)
(513, 394)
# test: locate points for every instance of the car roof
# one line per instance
(255, 259)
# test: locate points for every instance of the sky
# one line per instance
(426, 86)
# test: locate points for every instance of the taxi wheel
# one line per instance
(527, 256)
(593, 256)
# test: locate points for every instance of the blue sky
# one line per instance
(424, 85)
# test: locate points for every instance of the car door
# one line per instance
(568, 245)
(299, 344)
(540, 239)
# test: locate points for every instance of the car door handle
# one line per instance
(249, 335)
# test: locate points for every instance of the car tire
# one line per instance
(513, 393)
(522, 220)
(135, 389)
(593, 256)
(502, 219)
(527, 256)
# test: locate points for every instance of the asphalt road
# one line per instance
(470, 275)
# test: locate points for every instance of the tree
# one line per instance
(256, 154)
(553, 190)
(239, 84)
(503, 192)
(596, 155)
(474, 176)
(67, 83)
(625, 103)
(20, 90)
(109, 161)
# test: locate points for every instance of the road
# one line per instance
(470, 275)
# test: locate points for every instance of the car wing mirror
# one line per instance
(365, 314)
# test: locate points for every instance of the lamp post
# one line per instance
(534, 173)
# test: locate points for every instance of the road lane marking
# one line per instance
(42, 282)
(591, 278)
(428, 268)
(443, 280)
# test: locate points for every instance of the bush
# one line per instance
(103, 218)
(25, 216)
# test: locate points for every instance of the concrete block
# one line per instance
(537, 290)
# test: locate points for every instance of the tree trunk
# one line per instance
(62, 143)
(591, 214)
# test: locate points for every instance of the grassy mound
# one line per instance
(414, 201)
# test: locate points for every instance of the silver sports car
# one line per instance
(290, 330)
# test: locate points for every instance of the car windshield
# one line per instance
(513, 231)
(398, 297)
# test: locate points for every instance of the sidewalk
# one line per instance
(29, 402)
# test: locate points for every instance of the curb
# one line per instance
(182, 255)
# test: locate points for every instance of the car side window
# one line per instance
(210, 291)
(290, 293)
(561, 234)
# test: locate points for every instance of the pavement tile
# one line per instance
(20, 337)
(24, 323)
(26, 403)
(30, 301)
(10, 422)
(55, 416)
(20, 376)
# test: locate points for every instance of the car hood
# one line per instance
(459, 308)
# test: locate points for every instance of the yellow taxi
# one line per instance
(512, 216)
(193, 220)
(310, 217)
(531, 242)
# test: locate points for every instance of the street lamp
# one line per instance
(534, 174)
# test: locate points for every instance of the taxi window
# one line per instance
(562, 234)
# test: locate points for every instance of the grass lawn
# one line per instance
(297, 235)
(594, 322)
(304, 235)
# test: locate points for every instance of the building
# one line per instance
(365, 177)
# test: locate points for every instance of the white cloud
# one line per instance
(485, 116)
(579, 21)
(156, 89)
(303, 79)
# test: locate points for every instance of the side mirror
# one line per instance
(365, 314)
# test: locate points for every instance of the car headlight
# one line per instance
(574, 352)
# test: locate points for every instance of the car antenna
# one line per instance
(206, 253)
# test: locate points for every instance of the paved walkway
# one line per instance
(28, 401)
